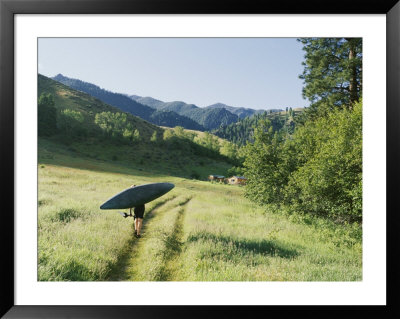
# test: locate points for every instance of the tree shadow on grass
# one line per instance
(263, 247)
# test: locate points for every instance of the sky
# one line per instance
(258, 73)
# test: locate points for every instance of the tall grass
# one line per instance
(229, 238)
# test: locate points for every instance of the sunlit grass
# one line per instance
(197, 232)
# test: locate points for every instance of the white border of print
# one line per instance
(371, 290)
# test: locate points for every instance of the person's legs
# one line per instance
(134, 219)
(139, 225)
(136, 225)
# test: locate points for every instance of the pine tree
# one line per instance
(332, 72)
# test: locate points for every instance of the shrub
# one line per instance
(330, 182)
(317, 170)
(195, 175)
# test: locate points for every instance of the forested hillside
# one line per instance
(242, 131)
(241, 112)
(212, 118)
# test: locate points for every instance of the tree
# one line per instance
(332, 72)
(328, 177)
(209, 141)
(168, 135)
(229, 150)
(153, 137)
(127, 134)
(136, 136)
(47, 115)
(179, 131)
(263, 169)
(70, 123)
(117, 126)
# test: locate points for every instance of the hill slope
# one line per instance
(179, 152)
(149, 101)
(118, 100)
(68, 98)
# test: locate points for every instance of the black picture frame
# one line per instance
(9, 8)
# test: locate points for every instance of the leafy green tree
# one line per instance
(168, 135)
(136, 136)
(153, 137)
(229, 150)
(262, 166)
(70, 123)
(209, 141)
(328, 178)
(127, 134)
(332, 72)
(179, 131)
(117, 126)
(317, 170)
(47, 115)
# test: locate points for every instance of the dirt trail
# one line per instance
(119, 271)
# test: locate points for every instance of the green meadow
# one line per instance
(199, 231)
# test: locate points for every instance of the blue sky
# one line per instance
(259, 73)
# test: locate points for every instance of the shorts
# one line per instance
(139, 212)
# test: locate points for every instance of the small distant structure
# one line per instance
(237, 180)
(216, 178)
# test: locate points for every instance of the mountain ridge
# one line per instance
(190, 110)
(169, 114)
(129, 105)
(210, 118)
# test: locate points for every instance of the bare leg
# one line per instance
(139, 225)
(134, 220)
(136, 225)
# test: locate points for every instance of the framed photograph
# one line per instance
(174, 158)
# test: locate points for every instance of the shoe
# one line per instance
(138, 236)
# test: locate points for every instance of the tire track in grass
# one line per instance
(150, 254)
(118, 271)
(126, 270)
(173, 248)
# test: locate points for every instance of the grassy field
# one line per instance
(200, 231)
